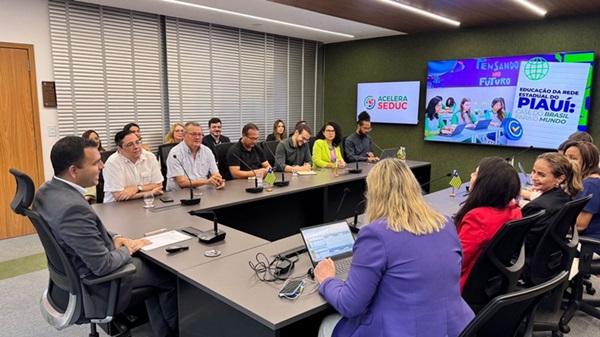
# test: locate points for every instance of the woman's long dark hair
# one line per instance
(338, 133)
(496, 185)
(430, 111)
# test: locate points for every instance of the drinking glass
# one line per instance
(148, 200)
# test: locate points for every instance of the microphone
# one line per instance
(355, 170)
(210, 236)
(357, 211)
(191, 200)
(339, 208)
(256, 188)
(377, 146)
(283, 182)
(511, 159)
(427, 183)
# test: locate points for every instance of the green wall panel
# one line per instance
(404, 58)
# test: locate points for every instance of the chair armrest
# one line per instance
(586, 240)
(123, 271)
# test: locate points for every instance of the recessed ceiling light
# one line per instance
(423, 12)
(534, 8)
(248, 16)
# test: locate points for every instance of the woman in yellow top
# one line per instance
(326, 150)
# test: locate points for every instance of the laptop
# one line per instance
(331, 240)
(457, 130)
(388, 153)
(482, 124)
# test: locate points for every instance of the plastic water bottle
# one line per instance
(401, 154)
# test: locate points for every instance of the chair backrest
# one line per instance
(343, 148)
(311, 143)
(557, 247)
(57, 311)
(100, 187)
(222, 164)
(269, 148)
(504, 315)
(163, 155)
(498, 267)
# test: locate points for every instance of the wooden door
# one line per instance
(20, 142)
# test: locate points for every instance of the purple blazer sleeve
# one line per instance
(352, 297)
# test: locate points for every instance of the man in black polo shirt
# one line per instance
(214, 137)
(245, 156)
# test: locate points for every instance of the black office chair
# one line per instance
(62, 302)
(100, 187)
(555, 250)
(163, 154)
(580, 283)
(311, 143)
(343, 148)
(269, 148)
(498, 268)
(553, 254)
(511, 315)
(222, 164)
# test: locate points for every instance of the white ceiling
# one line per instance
(261, 8)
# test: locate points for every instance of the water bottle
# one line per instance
(401, 154)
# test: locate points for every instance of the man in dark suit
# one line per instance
(87, 243)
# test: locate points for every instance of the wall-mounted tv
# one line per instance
(521, 101)
(389, 102)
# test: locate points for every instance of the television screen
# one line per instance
(521, 101)
(389, 102)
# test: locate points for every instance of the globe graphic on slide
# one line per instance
(536, 68)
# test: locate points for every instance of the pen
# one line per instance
(155, 232)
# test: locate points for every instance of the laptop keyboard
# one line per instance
(342, 266)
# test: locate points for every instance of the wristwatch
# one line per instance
(140, 188)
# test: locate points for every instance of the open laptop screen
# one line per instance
(328, 240)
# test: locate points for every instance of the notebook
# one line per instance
(331, 240)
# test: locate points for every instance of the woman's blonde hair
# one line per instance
(169, 139)
(394, 195)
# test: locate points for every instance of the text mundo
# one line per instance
(552, 104)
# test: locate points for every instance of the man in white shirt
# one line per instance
(193, 158)
(131, 172)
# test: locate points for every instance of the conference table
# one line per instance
(213, 291)
(228, 290)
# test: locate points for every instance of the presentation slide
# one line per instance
(520, 101)
(389, 102)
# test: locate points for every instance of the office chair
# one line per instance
(311, 143)
(587, 267)
(163, 154)
(511, 315)
(555, 250)
(553, 254)
(269, 148)
(62, 302)
(100, 187)
(343, 149)
(498, 268)
(221, 158)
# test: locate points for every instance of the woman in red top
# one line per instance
(491, 203)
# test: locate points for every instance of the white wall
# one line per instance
(26, 21)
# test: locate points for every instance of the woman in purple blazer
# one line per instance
(404, 277)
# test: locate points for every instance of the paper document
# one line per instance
(306, 173)
(165, 239)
